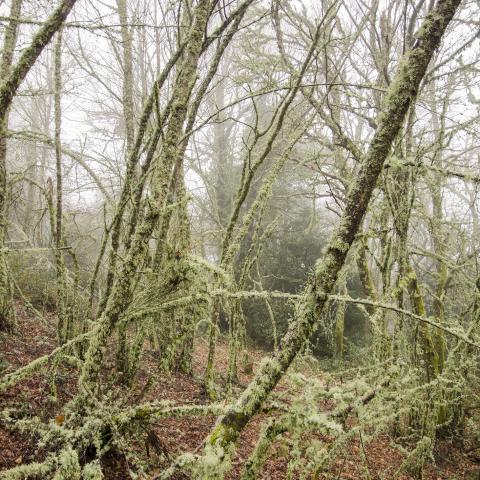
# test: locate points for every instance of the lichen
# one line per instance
(68, 465)
(92, 471)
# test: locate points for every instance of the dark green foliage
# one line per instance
(290, 255)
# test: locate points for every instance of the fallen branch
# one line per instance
(34, 366)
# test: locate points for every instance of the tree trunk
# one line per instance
(64, 322)
(7, 315)
(122, 287)
(399, 96)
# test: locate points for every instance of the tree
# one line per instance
(12, 76)
(398, 100)
(201, 154)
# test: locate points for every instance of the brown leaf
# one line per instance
(59, 419)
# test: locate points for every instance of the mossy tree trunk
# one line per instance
(437, 230)
(64, 327)
(340, 322)
(439, 241)
(384, 340)
(442, 272)
(11, 78)
(369, 290)
(400, 94)
(7, 316)
(187, 320)
(121, 293)
(177, 270)
(128, 78)
(129, 188)
(129, 124)
(365, 274)
(423, 332)
(40, 40)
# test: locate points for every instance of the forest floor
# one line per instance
(34, 338)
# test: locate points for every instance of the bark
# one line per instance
(442, 272)
(176, 188)
(438, 234)
(402, 90)
(176, 183)
(133, 156)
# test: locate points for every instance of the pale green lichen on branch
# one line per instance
(400, 93)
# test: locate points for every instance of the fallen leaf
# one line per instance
(59, 419)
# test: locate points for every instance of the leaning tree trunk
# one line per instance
(220, 443)
(40, 40)
(121, 293)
